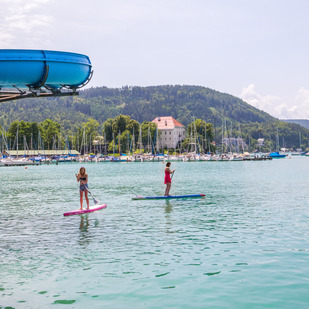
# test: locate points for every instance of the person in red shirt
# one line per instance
(167, 179)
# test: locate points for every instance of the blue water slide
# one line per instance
(43, 68)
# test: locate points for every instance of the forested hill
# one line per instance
(181, 102)
(141, 103)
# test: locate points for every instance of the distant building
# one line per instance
(260, 142)
(171, 132)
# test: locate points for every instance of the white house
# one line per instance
(171, 131)
(260, 142)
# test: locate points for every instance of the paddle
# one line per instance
(96, 201)
(172, 175)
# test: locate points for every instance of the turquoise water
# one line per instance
(245, 245)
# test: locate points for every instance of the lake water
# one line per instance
(246, 245)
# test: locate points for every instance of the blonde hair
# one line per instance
(80, 171)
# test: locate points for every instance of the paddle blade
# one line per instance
(95, 200)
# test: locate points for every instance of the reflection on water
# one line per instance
(168, 210)
(84, 223)
(168, 207)
(84, 236)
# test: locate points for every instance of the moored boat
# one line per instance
(277, 155)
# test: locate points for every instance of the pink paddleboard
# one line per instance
(84, 211)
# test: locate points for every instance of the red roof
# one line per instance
(167, 123)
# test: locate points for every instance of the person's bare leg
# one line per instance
(168, 188)
(87, 200)
(81, 199)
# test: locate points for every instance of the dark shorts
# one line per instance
(83, 187)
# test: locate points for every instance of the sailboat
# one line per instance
(139, 157)
(298, 150)
(18, 161)
(276, 154)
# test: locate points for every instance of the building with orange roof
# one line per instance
(172, 132)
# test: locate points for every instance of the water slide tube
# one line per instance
(34, 69)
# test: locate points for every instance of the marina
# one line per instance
(191, 157)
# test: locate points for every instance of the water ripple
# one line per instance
(244, 245)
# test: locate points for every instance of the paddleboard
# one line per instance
(166, 197)
(84, 211)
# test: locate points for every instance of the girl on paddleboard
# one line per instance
(82, 178)
(167, 179)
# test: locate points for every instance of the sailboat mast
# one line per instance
(105, 141)
(133, 141)
(119, 142)
(222, 140)
(157, 137)
(277, 140)
(148, 139)
(195, 133)
(206, 137)
(128, 144)
(113, 144)
(140, 138)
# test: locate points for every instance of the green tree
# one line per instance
(201, 133)
(49, 130)
(27, 132)
(91, 127)
(108, 129)
(148, 134)
(12, 133)
(120, 123)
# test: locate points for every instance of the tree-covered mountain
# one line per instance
(140, 103)
(180, 102)
(146, 103)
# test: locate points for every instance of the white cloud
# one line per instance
(274, 105)
(22, 23)
(302, 101)
(268, 103)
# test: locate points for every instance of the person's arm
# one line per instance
(77, 177)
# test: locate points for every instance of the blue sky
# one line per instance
(257, 50)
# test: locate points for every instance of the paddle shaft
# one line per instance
(94, 199)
